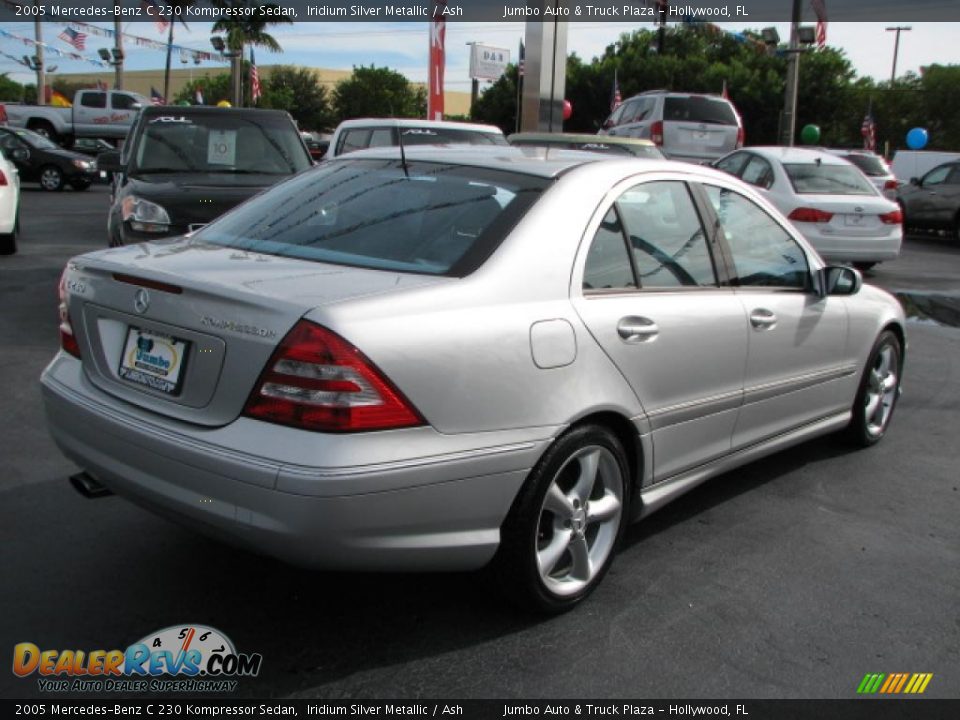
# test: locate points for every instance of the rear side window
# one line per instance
(430, 218)
(608, 264)
(870, 165)
(699, 109)
(824, 179)
(93, 100)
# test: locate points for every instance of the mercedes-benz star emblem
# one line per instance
(141, 301)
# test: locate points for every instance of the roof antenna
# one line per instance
(403, 154)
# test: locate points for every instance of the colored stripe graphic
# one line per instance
(894, 683)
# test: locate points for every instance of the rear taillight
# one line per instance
(68, 343)
(890, 185)
(656, 133)
(810, 215)
(316, 380)
(892, 218)
(741, 137)
(3, 179)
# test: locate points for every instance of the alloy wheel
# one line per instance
(881, 390)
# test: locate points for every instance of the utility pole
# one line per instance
(41, 77)
(896, 48)
(166, 70)
(663, 7)
(118, 56)
(789, 126)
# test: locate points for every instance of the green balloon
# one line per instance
(184, 102)
(810, 134)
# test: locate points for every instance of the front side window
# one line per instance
(666, 236)
(763, 252)
(124, 102)
(429, 218)
(938, 175)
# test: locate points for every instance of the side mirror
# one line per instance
(839, 280)
(915, 181)
(109, 161)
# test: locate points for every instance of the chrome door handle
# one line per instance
(762, 319)
(637, 329)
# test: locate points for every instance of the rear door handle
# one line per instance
(762, 319)
(637, 329)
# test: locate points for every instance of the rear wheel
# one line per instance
(563, 529)
(8, 241)
(51, 178)
(864, 266)
(878, 393)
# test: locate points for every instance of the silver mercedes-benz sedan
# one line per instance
(451, 358)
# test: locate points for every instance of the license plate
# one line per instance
(153, 360)
(853, 219)
(701, 134)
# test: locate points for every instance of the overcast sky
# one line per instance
(403, 46)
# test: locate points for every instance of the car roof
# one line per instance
(417, 123)
(579, 137)
(796, 155)
(188, 110)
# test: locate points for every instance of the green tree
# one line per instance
(299, 92)
(214, 88)
(378, 92)
(10, 91)
(497, 105)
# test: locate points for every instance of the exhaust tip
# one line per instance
(86, 485)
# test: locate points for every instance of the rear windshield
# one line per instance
(699, 109)
(870, 165)
(814, 179)
(449, 136)
(219, 143)
(430, 218)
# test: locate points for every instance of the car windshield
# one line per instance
(824, 179)
(36, 140)
(449, 136)
(219, 143)
(699, 109)
(597, 146)
(431, 218)
(870, 165)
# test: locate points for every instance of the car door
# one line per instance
(650, 294)
(925, 203)
(123, 109)
(945, 198)
(796, 338)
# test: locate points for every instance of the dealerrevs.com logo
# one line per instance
(180, 658)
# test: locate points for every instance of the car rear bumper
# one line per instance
(838, 248)
(429, 513)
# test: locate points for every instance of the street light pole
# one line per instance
(118, 44)
(896, 48)
(789, 128)
(41, 79)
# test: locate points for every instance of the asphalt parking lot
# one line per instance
(790, 578)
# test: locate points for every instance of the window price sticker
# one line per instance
(222, 147)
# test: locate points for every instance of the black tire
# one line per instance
(533, 530)
(51, 178)
(868, 428)
(81, 184)
(864, 266)
(955, 231)
(8, 241)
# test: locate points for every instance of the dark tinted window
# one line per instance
(608, 264)
(219, 143)
(430, 218)
(870, 165)
(125, 102)
(355, 140)
(699, 109)
(938, 175)
(732, 164)
(93, 99)
(758, 172)
(665, 234)
(764, 254)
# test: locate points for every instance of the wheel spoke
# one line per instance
(876, 380)
(558, 503)
(549, 556)
(873, 403)
(582, 568)
(889, 383)
(603, 509)
(589, 463)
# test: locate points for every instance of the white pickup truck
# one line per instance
(95, 113)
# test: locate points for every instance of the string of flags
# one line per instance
(52, 48)
(147, 42)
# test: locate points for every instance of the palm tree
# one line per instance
(181, 6)
(241, 33)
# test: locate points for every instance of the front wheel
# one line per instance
(560, 536)
(51, 178)
(878, 393)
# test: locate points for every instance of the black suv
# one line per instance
(184, 166)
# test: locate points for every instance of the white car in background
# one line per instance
(364, 133)
(874, 167)
(828, 199)
(9, 206)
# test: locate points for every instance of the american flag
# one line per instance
(156, 97)
(160, 21)
(615, 98)
(820, 10)
(255, 89)
(869, 132)
(72, 37)
(522, 57)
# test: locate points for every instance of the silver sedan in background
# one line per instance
(461, 357)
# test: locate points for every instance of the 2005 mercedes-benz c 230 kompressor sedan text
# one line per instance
(448, 358)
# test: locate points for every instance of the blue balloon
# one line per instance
(917, 138)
